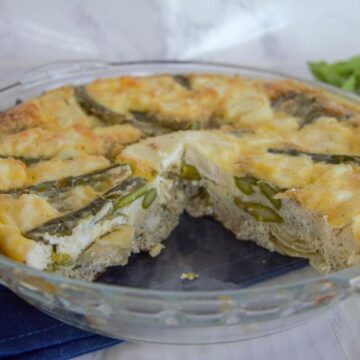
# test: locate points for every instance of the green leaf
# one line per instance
(343, 74)
(350, 84)
(325, 73)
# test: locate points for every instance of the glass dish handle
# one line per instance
(59, 70)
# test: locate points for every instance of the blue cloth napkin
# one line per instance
(27, 333)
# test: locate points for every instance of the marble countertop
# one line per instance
(273, 34)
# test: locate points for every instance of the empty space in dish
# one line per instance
(204, 247)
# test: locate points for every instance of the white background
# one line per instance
(273, 34)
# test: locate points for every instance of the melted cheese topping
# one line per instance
(13, 244)
(57, 168)
(248, 155)
(283, 171)
(280, 124)
(13, 174)
(62, 110)
(22, 249)
(24, 116)
(240, 101)
(27, 212)
(209, 144)
(151, 156)
(81, 142)
(327, 135)
(40, 143)
(160, 95)
(115, 137)
(335, 194)
(32, 143)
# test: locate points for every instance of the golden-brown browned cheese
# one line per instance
(62, 110)
(57, 168)
(239, 101)
(13, 244)
(21, 117)
(26, 212)
(160, 96)
(335, 194)
(13, 174)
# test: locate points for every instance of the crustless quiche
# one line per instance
(91, 174)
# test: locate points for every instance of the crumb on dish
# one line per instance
(189, 276)
(156, 250)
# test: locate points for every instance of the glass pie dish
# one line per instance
(146, 311)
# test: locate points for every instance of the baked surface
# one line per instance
(93, 173)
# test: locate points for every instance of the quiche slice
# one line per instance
(91, 174)
(296, 203)
(78, 225)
